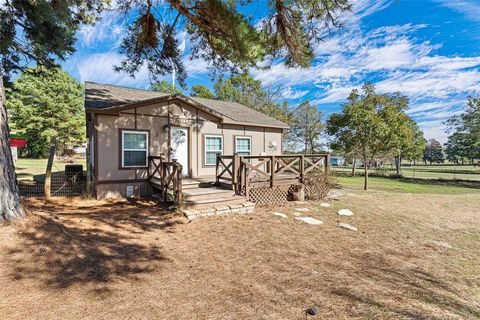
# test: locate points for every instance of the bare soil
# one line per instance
(413, 257)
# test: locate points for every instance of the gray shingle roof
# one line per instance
(103, 96)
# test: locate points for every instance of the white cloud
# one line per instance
(109, 28)
(470, 8)
(434, 129)
(99, 68)
(291, 94)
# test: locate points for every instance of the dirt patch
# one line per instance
(89, 259)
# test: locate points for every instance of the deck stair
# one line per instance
(202, 198)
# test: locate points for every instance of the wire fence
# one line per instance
(68, 177)
(428, 172)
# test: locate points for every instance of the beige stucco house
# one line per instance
(125, 126)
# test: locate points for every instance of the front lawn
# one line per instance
(414, 256)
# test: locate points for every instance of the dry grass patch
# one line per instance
(414, 256)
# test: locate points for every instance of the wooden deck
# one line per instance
(235, 177)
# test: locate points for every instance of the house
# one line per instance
(17, 141)
(126, 126)
(214, 156)
(337, 161)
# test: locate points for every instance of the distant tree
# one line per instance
(201, 91)
(47, 104)
(405, 139)
(367, 125)
(307, 126)
(244, 89)
(457, 148)
(433, 152)
(415, 151)
(464, 142)
(40, 32)
(166, 87)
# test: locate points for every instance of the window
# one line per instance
(213, 147)
(243, 146)
(134, 149)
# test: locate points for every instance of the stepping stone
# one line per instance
(279, 214)
(347, 226)
(325, 205)
(302, 209)
(345, 212)
(309, 220)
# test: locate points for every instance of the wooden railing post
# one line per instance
(302, 169)
(272, 169)
(217, 166)
(178, 188)
(327, 164)
(235, 173)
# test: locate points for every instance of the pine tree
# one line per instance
(49, 102)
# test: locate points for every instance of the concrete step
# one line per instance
(213, 202)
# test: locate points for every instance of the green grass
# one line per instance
(26, 169)
(417, 186)
(441, 171)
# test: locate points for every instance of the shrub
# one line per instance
(317, 185)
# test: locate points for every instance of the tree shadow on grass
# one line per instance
(94, 245)
(416, 287)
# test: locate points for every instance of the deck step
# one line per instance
(191, 183)
(206, 193)
(213, 202)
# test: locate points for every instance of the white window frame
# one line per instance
(243, 137)
(205, 148)
(123, 148)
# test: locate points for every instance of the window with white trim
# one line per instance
(213, 148)
(134, 149)
(243, 146)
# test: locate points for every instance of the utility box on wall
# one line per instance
(129, 191)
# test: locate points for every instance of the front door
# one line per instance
(179, 143)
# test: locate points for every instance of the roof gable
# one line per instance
(105, 96)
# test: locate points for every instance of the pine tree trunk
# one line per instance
(365, 185)
(354, 166)
(10, 206)
(48, 173)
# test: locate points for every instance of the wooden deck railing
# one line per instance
(246, 172)
(166, 176)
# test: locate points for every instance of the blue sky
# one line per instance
(427, 49)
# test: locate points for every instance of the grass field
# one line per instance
(414, 256)
(414, 186)
(448, 172)
(26, 169)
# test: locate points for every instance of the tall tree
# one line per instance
(166, 87)
(433, 152)
(244, 89)
(307, 126)
(201, 91)
(33, 31)
(464, 142)
(366, 124)
(405, 137)
(49, 102)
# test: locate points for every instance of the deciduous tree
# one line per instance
(166, 87)
(433, 152)
(201, 91)
(464, 142)
(307, 126)
(368, 125)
